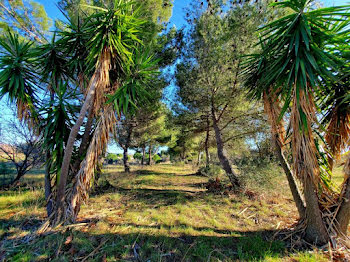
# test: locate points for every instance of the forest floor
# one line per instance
(156, 213)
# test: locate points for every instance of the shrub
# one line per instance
(212, 171)
(111, 157)
(260, 175)
(137, 156)
(157, 159)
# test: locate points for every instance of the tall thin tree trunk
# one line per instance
(150, 155)
(199, 158)
(48, 192)
(221, 155)
(85, 140)
(143, 155)
(86, 137)
(48, 188)
(125, 159)
(206, 144)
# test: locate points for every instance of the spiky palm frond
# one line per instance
(117, 27)
(292, 62)
(17, 77)
(73, 41)
(336, 104)
(53, 65)
(293, 50)
(136, 85)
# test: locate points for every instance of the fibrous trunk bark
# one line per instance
(105, 127)
(291, 181)
(343, 215)
(69, 150)
(306, 163)
(98, 82)
(85, 140)
(221, 155)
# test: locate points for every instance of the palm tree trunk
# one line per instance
(69, 149)
(48, 192)
(85, 140)
(101, 80)
(343, 215)
(97, 146)
(291, 181)
(48, 188)
(306, 164)
(221, 155)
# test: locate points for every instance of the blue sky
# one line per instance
(178, 14)
(177, 19)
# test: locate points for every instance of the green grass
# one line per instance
(159, 213)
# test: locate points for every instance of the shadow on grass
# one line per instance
(151, 172)
(24, 223)
(76, 245)
(154, 197)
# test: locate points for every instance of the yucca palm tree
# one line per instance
(17, 78)
(337, 117)
(52, 65)
(294, 65)
(114, 33)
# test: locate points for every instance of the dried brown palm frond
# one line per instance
(25, 113)
(273, 110)
(338, 133)
(104, 66)
(303, 144)
(84, 178)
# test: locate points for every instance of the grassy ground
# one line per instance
(158, 213)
